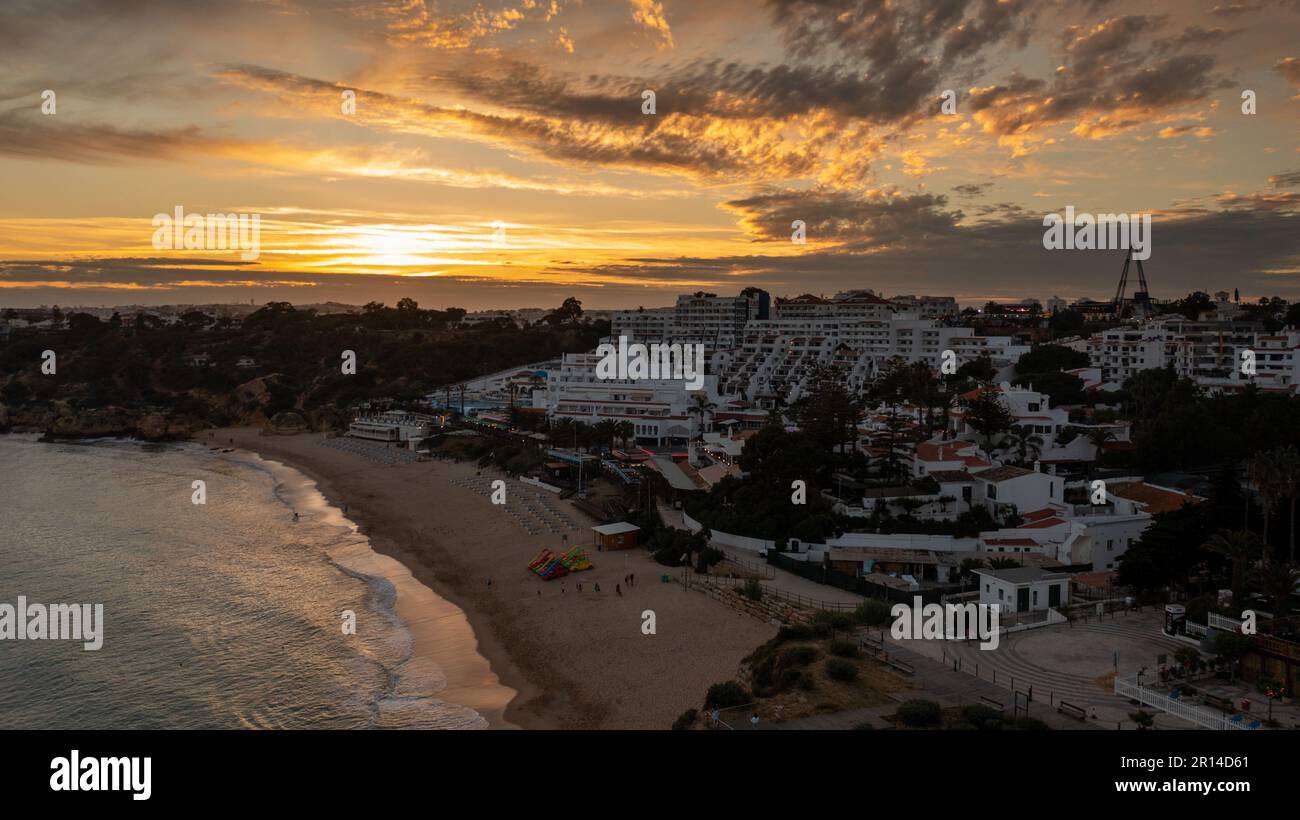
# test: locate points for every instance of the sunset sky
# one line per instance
(527, 114)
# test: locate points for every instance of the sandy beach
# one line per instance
(577, 660)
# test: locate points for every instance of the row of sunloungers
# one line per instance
(531, 510)
(374, 450)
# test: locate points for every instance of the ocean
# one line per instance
(223, 615)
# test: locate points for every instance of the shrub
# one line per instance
(726, 695)
(807, 682)
(789, 678)
(865, 725)
(686, 719)
(920, 713)
(797, 656)
(793, 632)
(838, 621)
(822, 630)
(753, 590)
(872, 612)
(841, 670)
(1029, 724)
(981, 716)
(844, 649)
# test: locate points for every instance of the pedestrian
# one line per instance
(753, 720)
(631, 580)
(619, 591)
(489, 582)
(714, 714)
(597, 586)
(539, 593)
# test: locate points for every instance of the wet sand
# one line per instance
(575, 659)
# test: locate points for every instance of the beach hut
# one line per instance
(617, 536)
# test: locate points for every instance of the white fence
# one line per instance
(537, 482)
(726, 539)
(1217, 621)
(1187, 711)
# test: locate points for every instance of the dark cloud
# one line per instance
(1192, 249)
(972, 190)
(1289, 179)
(861, 220)
(27, 133)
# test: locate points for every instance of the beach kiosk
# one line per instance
(617, 536)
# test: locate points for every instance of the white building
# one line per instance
(645, 326)
(1023, 589)
(393, 425)
(1007, 489)
(659, 409)
(930, 307)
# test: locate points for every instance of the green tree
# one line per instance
(1239, 547)
(567, 313)
(1022, 440)
(987, 416)
(1278, 581)
(831, 410)
(1050, 358)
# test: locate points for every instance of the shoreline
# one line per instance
(386, 550)
(574, 659)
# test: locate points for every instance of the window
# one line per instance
(999, 594)
(1035, 597)
(1110, 545)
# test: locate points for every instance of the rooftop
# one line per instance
(1154, 498)
(1022, 575)
(1004, 473)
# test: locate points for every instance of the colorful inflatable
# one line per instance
(548, 566)
(575, 560)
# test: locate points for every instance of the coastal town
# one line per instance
(1058, 465)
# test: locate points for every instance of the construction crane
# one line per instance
(1141, 296)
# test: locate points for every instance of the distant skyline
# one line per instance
(498, 156)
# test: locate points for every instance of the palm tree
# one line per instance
(702, 408)
(606, 430)
(1240, 546)
(1262, 470)
(625, 430)
(1021, 438)
(1287, 463)
(1278, 581)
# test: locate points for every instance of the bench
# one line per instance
(1070, 709)
(996, 704)
(900, 666)
(1224, 704)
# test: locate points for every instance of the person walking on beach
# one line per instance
(619, 591)
(489, 582)
(714, 715)
(631, 580)
(597, 586)
(753, 720)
